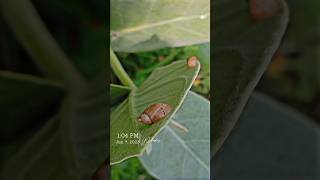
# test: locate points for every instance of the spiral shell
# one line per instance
(262, 9)
(154, 113)
(192, 61)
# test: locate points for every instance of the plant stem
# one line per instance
(119, 71)
(34, 36)
(179, 126)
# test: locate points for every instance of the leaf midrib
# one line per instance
(156, 24)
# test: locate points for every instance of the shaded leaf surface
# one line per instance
(168, 84)
(24, 101)
(270, 141)
(242, 49)
(70, 145)
(151, 24)
(299, 55)
(181, 155)
(49, 160)
(85, 122)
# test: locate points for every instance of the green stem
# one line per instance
(119, 71)
(34, 36)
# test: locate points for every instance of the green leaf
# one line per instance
(143, 25)
(242, 50)
(271, 141)
(168, 84)
(180, 155)
(118, 93)
(85, 128)
(25, 100)
(37, 157)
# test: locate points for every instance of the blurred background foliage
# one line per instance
(78, 26)
(293, 77)
(129, 169)
(80, 30)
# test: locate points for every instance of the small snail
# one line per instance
(192, 61)
(154, 113)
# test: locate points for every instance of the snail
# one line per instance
(154, 113)
(192, 61)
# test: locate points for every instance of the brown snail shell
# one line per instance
(154, 113)
(192, 61)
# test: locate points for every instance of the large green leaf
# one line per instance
(180, 155)
(242, 49)
(142, 25)
(270, 141)
(168, 84)
(25, 100)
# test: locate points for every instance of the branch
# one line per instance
(119, 71)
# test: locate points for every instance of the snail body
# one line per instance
(154, 113)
